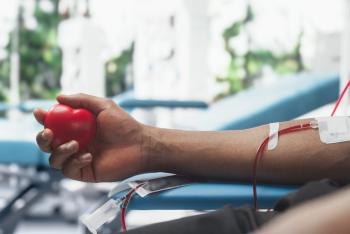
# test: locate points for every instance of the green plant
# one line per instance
(116, 72)
(244, 69)
(41, 59)
(40, 56)
(4, 81)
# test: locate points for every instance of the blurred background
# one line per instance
(185, 63)
(149, 42)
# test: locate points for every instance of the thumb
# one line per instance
(39, 115)
(89, 102)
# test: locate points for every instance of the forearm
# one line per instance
(298, 157)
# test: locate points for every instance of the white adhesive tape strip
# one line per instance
(273, 136)
(334, 129)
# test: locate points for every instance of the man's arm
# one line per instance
(299, 156)
(123, 147)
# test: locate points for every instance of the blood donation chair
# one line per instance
(285, 99)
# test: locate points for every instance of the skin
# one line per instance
(329, 214)
(124, 147)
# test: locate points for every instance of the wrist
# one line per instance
(151, 148)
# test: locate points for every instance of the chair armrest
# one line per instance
(128, 101)
(152, 103)
(208, 195)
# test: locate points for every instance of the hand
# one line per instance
(116, 152)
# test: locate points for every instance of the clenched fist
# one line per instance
(116, 152)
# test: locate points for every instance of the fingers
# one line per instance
(66, 158)
(92, 103)
(62, 153)
(72, 167)
(44, 139)
(39, 115)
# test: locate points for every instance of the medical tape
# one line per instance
(334, 129)
(273, 136)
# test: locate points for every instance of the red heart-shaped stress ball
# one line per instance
(68, 124)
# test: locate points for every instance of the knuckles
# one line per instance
(109, 103)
